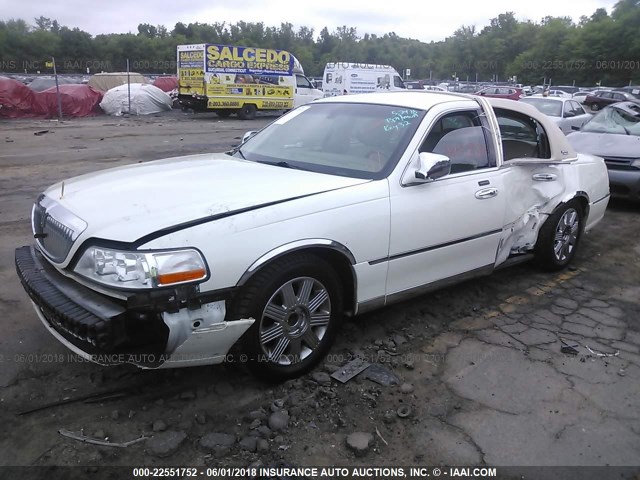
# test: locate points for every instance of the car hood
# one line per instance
(127, 203)
(606, 144)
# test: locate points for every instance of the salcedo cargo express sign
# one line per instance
(249, 60)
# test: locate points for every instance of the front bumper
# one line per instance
(195, 102)
(109, 331)
(625, 183)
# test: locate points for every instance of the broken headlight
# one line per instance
(138, 270)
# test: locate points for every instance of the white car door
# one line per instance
(452, 225)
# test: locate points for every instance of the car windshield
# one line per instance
(548, 107)
(615, 119)
(349, 139)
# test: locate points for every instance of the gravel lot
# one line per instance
(476, 374)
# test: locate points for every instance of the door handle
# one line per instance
(486, 193)
(544, 177)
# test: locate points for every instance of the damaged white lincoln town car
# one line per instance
(339, 207)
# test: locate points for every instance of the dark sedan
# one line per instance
(601, 99)
(614, 134)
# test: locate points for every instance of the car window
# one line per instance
(577, 108)
(397, 82)
(462, 137)
(549, 107)
(302, 82)
(348, 139)
(522, 136)
(618, 96)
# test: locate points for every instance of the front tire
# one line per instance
(559, 237)
(595, 107)
(296, 302)
(247, 112)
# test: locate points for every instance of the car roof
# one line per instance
(410, 99)
(630, 107)
(425, 100)
(542, 97)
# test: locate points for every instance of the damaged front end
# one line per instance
(166, 327)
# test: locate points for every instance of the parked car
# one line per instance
(582, 95)
(568, 114)
(511, 93)
(341, 206)
(614, 134)
(435, 88)
(414, 85)
(567, 89)
(632, 89)
(462, 88)
(602, 98)
(558, 93)
(552, 93)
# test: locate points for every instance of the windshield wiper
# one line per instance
(235, 150)
(284, 164)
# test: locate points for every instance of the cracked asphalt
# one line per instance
(478, 374)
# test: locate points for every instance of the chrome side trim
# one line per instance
(438, 284)
(292, 247)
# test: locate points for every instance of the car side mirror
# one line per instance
(569, 114)
(432, 166)
(248, 135)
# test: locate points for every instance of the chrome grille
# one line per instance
(55, 228)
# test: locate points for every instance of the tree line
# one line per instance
(602, 48)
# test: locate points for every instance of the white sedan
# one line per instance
(337, 208)
(568, 114)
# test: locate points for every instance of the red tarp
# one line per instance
(19, 101)
(166, 84)
(77, 101)
(16, 99)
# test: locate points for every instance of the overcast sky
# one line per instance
(422, 20)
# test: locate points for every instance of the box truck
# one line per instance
(344, 78)
(230, 79)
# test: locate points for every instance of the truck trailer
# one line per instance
(239, 80)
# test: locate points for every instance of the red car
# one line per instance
(601, 99)
(511, 93)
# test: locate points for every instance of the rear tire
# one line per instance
(559, 237)
(247, 112)
(296, 302)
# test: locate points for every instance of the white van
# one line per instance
(229, 79)
(344, 78)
